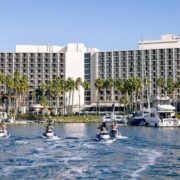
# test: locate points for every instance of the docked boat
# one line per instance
(162, 114)
(113, 118)
(137, 119)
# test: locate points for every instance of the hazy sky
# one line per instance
(105, 24)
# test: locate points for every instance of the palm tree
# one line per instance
(137, 88)
(24, 83)
(65, 90)
(33, 95)
(70, 86)
(108, 84)
(78, 84)
(170, 86)
(86, 86)
(43, 101)
(74, 87)
(119, 86)
(41, 91)
(99, 84)
(125, 101)
(147, 84)
(10, 87)
(129, 90)
(160, 83)
(17, 87)
(2, 81)
(56, 90)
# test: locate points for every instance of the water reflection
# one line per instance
(78, 130)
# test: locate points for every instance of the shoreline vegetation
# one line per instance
(60, 119)
(63, 119)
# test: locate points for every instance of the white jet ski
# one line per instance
(49, 133)
(4, 133)
(114, 133)
(103, 135)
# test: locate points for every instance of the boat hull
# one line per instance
(163, 123)
(137, 122)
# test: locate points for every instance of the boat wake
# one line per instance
(53, 138)
(24, 142)
(122, 137)
(152, 155)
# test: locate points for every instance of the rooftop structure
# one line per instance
(166, 41)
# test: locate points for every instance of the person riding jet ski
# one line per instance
(103, 127)
(114, 132)
(49, 127)
(49, 133)
(3, 130)
(103, 133)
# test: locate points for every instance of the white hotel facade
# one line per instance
(153, 59)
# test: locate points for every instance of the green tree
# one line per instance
(119, 86)
(24, 83)
(56, 90)
(17, 87)
(79, 83)
(160, 84)
(170, 86)
(125, 101)
(108, 85)
(70, 86)
(10, 87)
(2, 81)
(147, 84)
(129, 90)
(33, 95)
(43, 101)
(99, 85)
(137, 88)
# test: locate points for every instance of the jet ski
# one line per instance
(103, 135)
(49, 133)
(4, 133)
(114, 133)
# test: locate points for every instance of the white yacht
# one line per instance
(162, 114)
(113, 118)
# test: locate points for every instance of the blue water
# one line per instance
(147, 153)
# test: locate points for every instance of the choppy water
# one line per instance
(148, 153)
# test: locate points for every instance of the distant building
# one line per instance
(153, 59)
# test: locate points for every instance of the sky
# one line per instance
(104, 24)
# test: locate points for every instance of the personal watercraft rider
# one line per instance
(103, 127)
(114, 126)
(49, 126)
(3, 126)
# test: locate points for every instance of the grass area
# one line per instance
(62, 119)
(178, 116)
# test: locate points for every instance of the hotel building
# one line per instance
(153, 59)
